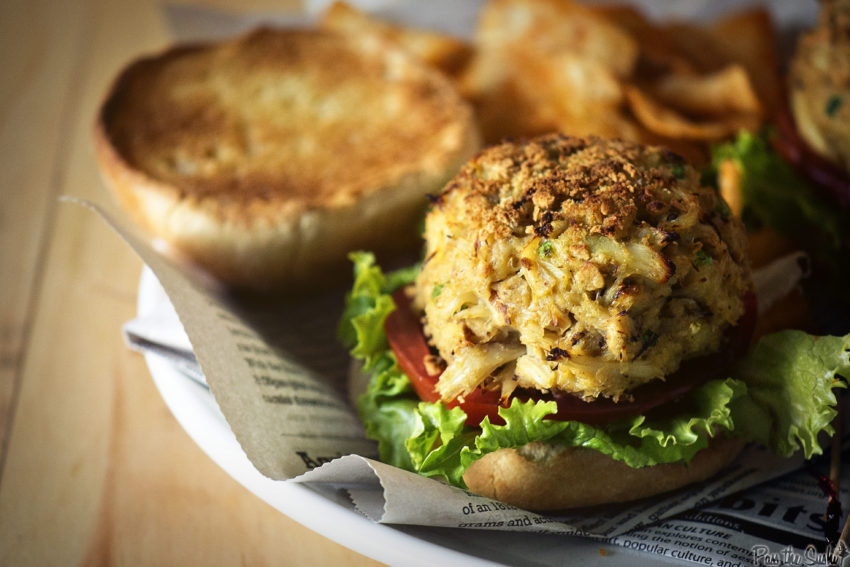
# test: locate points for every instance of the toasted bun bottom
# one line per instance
(544, 477)
(574, 477)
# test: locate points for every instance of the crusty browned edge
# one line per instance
(578, 477)
(125, 181)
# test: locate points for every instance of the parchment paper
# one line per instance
(278, 376)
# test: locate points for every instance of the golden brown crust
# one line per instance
(578, 477)
(271, 155)
(583, 265)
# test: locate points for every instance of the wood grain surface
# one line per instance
(94, 470)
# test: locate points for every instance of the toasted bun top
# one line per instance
(266, 158)
(294, 118)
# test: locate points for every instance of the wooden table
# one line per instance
(94, 470)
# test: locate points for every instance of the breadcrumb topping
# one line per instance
(594, 266)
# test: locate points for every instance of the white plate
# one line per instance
(331, 514)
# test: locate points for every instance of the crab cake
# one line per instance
(583, 266)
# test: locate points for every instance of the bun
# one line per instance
(544, 477)
(574, 477)
(266, 158)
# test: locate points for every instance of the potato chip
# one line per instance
(608, 70)
(749, 38)
(697, 45)
(558, 63)
(724, 92)
(666, 121)
(446, 53)
(550, 27)
(580, 97)
(504, 109)
(658, 51)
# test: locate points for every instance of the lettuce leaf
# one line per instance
(437, 446)
(791, 377)
(781, 395)
(389, 401)
(775, 196)
(367, 305)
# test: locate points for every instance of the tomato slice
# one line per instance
(404, 334)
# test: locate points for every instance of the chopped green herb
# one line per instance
(545, 249)
(832, 105)
(702, 259)
(438, 289)
(678, 170)
(723, 208)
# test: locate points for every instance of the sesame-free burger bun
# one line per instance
(266, 158)
(546, 477)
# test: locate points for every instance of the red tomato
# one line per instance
(405, 337)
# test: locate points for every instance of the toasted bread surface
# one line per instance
(540, 477)
(266, 158)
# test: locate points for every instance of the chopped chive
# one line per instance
(438, 289)
(702, 259)
(832, 105)
(678, 170)
(545, 249)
